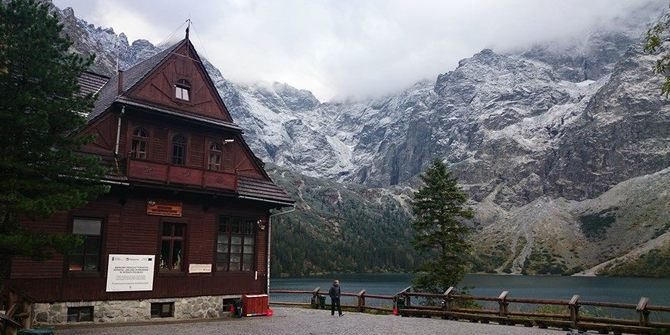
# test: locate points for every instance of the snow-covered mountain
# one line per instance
(535, 136)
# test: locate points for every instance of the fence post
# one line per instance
(361, 301)
(642, 311)
(315, 298)
(400, 296)
(406, 297)
(573, 305)
(503, 304)
(448, 302)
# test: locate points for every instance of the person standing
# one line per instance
(335, 294)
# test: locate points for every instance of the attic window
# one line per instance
(182, 90)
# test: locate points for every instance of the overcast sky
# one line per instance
(349, 48)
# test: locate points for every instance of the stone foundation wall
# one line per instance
(132, 310)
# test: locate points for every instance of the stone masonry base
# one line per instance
(132, 310)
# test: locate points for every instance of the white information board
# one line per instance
(126, 273)
(199, 268)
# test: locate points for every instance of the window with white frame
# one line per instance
(183, 90)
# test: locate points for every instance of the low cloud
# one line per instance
(353, 49)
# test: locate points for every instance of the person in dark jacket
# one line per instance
(335, 294)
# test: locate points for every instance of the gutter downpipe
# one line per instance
(118, 131)
(118, 138)
(269, 241)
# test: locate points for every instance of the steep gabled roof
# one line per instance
(140, 75)
(135, 78)
(110, 92)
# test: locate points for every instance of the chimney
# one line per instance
(120, 81)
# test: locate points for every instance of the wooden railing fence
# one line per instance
(318, 300)
(565, 314)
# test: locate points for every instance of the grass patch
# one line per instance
(543, 262)
(655, 263)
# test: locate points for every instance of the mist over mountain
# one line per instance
(564, 148)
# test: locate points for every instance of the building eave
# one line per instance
(177, 114)
(278, 202)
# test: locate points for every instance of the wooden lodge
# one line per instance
(185, 227)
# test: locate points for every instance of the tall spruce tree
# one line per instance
(440, 230)
(40, 112)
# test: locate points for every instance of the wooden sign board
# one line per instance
(199, 268)
(164, 208)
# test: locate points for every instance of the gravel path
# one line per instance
(292, 321)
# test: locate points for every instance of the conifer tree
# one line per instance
(656, 42)
(440, 231)
(40, 112)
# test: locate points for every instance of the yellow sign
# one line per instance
(164, 208)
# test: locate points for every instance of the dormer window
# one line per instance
(182, 90)
(138, 148)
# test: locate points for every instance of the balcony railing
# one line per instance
(180, 175)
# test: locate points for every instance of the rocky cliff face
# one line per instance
(108, 48)
(534, 136)
(623, 132)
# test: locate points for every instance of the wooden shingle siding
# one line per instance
(91, 83)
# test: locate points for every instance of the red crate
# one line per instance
(257, 304)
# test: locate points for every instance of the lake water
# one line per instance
(611, 289)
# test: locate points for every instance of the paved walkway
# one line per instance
(292, 321)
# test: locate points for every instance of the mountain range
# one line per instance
(562, 146)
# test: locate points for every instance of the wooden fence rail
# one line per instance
(457, 306)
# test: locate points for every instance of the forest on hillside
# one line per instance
(339, 228)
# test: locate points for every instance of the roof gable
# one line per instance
(183, 64)
(153, 80)
(111, 90)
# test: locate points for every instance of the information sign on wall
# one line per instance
(199, 268)
(126, 273)
(164, 208)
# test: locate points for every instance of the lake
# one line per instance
(612, 289)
